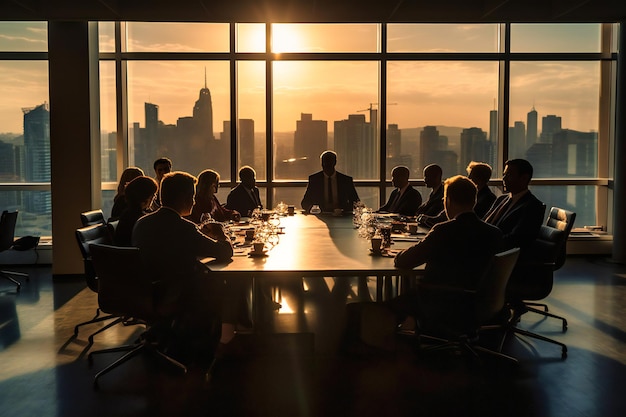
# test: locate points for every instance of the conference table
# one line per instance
(318, 246)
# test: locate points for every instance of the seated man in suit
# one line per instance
(457, 253)
(518, 214)
(431, 212)
(404, 199)
(329, 189)
(480, 174)
(170, 247)
(245, 197)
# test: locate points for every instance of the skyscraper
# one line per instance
(203, 112)
(429, 144)
(531, 128)
(310, 140)
(550, 125)
(356, 146)
(517, 140)
(493, 126)
(37, 152)
(474, 147)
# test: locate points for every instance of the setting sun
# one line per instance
(286, 38)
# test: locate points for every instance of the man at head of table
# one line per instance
(329, 189)
(456, 253)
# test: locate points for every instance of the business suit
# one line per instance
(314, 193)
(521, 222)
(484, 201)
(457, 253)
(240, 199)
(407, 204)
(434, 205)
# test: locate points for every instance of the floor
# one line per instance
(295, 368)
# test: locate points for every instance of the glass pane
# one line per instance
(299, 37)
(24, 36)
(35, 211)
(561, 122)
(571, 37)
(580, 199)
(440, 112)
(251, 102)
(443, 38)
(107, 202)
(108, 120)
(177, 37)
(250, 37)
(106, 36)
(179, 109)
(24, 122)
(325, 105)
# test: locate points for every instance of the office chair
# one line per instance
(85, 236)
(490, 313)
(125, 289)
(7, 236)
(90, 218)
(533, 279)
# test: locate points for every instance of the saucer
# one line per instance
(378, 252)
(254, 254)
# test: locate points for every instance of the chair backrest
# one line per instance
(556, 231)
(89, 218)
(491, 293)
(7, 229)
(98, 233)
(124, 287)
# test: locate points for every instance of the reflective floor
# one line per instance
(294, 369)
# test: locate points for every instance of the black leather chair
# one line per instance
(7, 236)
(491, 313)
(90, 218)
(533, 279)
(124, 289)
(85, 236)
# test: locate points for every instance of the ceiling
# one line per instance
(465, 11)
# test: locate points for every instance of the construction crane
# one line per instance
(371, 107)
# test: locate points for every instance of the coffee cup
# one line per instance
(291, 210)
(258, 247)
(412, 228)
(249, 234)
(376, 243)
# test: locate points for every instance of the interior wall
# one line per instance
(70, 145)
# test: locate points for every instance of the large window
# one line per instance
(432, 93)
(25, 126)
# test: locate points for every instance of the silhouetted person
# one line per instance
(139, 195)
(170, 247)
(162, 166)
(404, 199)
(119, 202)
(330, 189)
(519, 214)
(480, 174)
(457, 253)
(245, 196)
(434, 205)
(207, 202)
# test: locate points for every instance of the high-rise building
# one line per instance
(493, 126)
(394, 141)
(531, 128)
(517, 140)
(203, 112)
(37, 152)
(356, 147)
(429, 144)
(550, 125)
(474, 147)
(245, 144)
(310, 140)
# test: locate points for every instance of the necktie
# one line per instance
(499, 211)
(330, 193)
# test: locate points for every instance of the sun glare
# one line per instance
(286, 38)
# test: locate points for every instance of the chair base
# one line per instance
(544, 312)
(143, 345)
(9, 276)
(518, 331)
